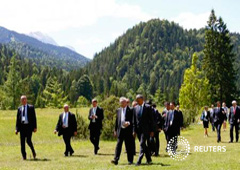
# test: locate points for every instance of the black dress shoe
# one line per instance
(71, 153)
(149, 162)
(114, 162)
(138, 164)
(130, 163)
(230, 142)
(24, 158)
(65, 154)
(96, 150)
(34, 155)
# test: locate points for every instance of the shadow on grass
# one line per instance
(80, 156)
(39, 160)
(145, 164)
(105, 154)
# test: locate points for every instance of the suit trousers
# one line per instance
(26, 135)
(67, 140)
(144, 149)
(128, 139)
(94, 137)
(236, 125)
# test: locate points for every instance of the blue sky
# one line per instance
(90, 25)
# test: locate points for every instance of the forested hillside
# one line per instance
(149, 58)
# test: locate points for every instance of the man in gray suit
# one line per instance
(234, 119)
(124, 131)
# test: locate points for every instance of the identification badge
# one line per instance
(23, 118)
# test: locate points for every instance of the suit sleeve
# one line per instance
(34, 118)
(17, 121)
(152, 124)
(134, 122)
(116, 122)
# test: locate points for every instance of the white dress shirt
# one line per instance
(25, 117)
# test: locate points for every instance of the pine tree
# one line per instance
(12, 85)
(84, 87)
(53, 94)
(218, 60)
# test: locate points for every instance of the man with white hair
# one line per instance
(123, 131)
(26, 123)
(67, 126)
(234, 119)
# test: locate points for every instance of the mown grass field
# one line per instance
(50, 148)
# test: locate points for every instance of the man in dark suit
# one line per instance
(172, 123)
(96, 117)
(143, 126)
(180, 119)
(124, 131)
(164, 116)
(67, 126)
(158, 127)
(218, 118)
(234, 119)
(26, 123)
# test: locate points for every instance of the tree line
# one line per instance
(151, 59)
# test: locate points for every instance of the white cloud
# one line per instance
(57, 15)
(190, 20)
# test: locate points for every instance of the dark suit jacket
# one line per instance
(72, 124)
(100, 117)
(218, 116)
(204, 117)
(128, 117)
(32, 120)
(175, 127)
(233, 118)
(157, 119)
(145, 123)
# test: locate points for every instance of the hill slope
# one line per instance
(42, 53)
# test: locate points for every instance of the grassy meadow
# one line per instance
(50, 148)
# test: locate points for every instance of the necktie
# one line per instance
(234, 110)
(23, 114)
(140, 111)
(65, 119)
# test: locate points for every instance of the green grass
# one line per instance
(50, 148)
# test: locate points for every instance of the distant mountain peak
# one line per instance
(43, 37)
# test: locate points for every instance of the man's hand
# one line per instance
(35, 130)
(55, 131)
(126, 124)
(115, 134)
(75, 133)
(151, 134)
(238, 120)
(16, 132)
(134, 135)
